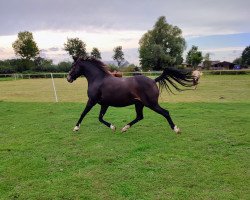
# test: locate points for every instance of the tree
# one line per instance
(238, 61)
(41, 64)
(64, 66)
(162, 46)
(96, 53)
(25, 46)
(75, 47)
(246, 56)
(118, 55)
(18, 65)
(194, 57)
(207, 62)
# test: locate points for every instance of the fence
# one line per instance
(152, 73)
(43, 87)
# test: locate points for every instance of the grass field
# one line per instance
(224, 88)
(40, 157)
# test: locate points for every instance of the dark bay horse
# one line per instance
(108, 90)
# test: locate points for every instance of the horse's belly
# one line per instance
(116, 104)
(117, 100)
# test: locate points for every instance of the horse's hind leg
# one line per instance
(157, 108)
(195, 83)
(139, 116)
(101, 115)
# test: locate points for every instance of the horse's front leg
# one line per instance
(88, 107)
(101, 115)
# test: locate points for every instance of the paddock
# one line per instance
(212, 88)
(41, 158)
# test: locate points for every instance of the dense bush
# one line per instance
(64, 66)
(6, 69)
(225, 72)
(130, 68)
(32, 66)
(113, 68)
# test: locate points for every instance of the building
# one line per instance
(223, 65)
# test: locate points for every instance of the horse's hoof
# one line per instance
(177, 130)
(125, 128)
(76, 128)
(112, 127)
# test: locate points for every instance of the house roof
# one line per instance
(223, 63)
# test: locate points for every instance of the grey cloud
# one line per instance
(43, 50)
(54, 49)
(126, 39)
(92, 15)
(211, 54)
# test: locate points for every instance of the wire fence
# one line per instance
(149, 73)
(53, 87)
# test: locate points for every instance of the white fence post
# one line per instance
(54, 87)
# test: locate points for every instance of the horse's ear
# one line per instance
(75, 58)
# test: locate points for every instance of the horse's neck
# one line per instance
(94, 74)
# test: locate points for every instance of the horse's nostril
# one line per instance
(69, 79)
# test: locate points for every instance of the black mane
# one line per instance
(97, 63)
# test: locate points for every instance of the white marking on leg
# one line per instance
(125, 128)
(176, 129)
(76, 128)
(112, 127)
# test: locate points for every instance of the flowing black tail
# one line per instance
(173, 75)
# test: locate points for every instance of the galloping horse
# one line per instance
(108, 90)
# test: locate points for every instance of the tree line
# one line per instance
(160, 47)
(26, 48)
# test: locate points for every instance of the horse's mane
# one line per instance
(97, 63)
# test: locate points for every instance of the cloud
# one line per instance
(126, 39)
(54, 49)
(44, 50)
(106, 24)
(194, 17)
(225, 49)
(219, 41)
(6, 53)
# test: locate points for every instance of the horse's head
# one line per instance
(75, 71)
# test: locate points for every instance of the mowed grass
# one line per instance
(224, 88)
(41, 158)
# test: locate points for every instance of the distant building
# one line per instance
(214, 62)
(223, 65)
(216, 65)
(185, 65)
(202, 65)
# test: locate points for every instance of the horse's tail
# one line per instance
(173, 75)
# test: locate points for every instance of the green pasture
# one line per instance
(41, 158)
(212, 88)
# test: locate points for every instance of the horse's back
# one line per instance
(117, 91)
(127, 90)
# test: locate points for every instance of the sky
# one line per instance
(218, 27)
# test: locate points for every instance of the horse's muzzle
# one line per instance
(69, 79)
